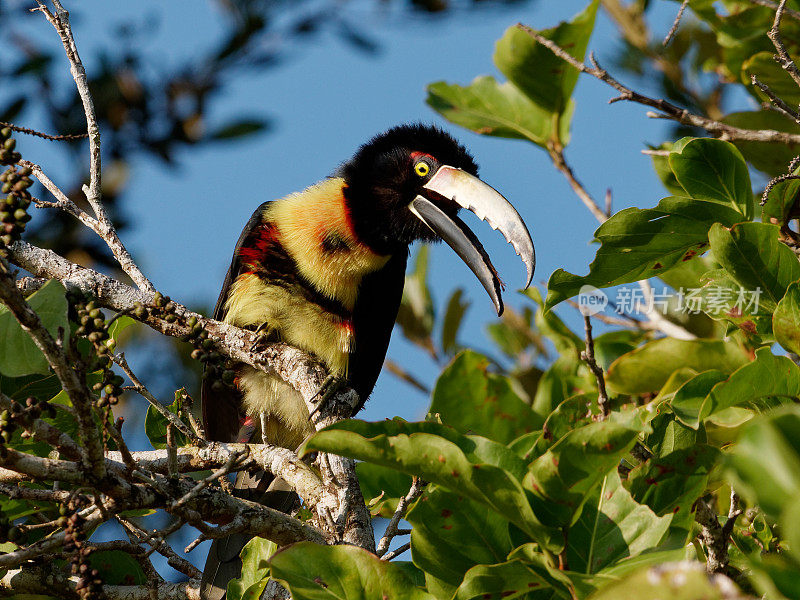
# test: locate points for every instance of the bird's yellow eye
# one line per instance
(422, 168)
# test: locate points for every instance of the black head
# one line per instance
(388, 172)
(408, 184)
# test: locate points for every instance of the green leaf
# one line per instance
(20, 355)
(453, 315)
(664, 172)
(639, 244)
(609, 346)
(513, 333)
(564, 476)
(723, 298)
(117, 568)
(416, 314)
(551, 326)
(764, 466)
(446, 524)
(612, 527)
(786, 319)
(715, 171)
(574, 584)
(765, 377)
(567, 416)
(687, 403)
(567, 377)
(382, 487)
(671, 484)
(480, 469)
(239, 128)
(647, 368)
(314, 572)
(753, 255)
(676, 581)
(473, 400)
(19, 388)
(512, 579)
(765, 156)
(255, 570)
(155, 427)
(119, 325)
(546, 79)
(781, 200)
(491, 108)
(669, 435)
(774, 576)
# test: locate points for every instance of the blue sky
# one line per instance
(325, 100)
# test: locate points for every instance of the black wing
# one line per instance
(373, 318)
(221, 409)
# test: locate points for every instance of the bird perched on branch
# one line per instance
(323, 270)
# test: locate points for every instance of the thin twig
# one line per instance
(185, 405)
(172, 451)
(777, 104)
(774, 5)
(772, 183)
(675, 24)
(116, 435)
(783, 58)
(733, 513)
(397, 552)
(668, 110)
(588, 356)
(158, 544)
(221, 472)
(55, 138)
(660, 321)
(60, 21)
(560, 163)
(140, 388)
(417, 487)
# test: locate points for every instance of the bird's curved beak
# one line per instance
(467, 191)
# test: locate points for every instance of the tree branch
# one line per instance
(105, 229)
(588, 357)
(417, 487)
(75, 386)
(41, 580)
(668, 110)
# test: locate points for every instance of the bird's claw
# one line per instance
(326, 391)
(264, 335)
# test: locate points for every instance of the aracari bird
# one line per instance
(323, 270)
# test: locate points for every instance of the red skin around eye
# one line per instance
(416, 155)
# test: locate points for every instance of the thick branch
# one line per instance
(716, 537)
(303, 372)
(45, 581)
(274, 459)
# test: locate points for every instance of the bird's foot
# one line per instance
(326, 391)
(265, 334)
